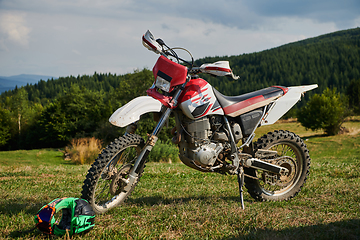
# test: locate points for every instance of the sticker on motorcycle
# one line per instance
(199, 100)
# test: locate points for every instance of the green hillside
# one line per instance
(51, 113)
(330, 60)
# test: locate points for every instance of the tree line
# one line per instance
(51, 113)
(331, 61)
(39, 115)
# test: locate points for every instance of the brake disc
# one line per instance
(119, 180)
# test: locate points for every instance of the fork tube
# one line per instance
(162, 121)
(140, 161)
(151, 141)
(166, 115)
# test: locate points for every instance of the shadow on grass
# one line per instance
(16, 207)
(347, 229)
(154, 200)
(314, 136)
(353, 120)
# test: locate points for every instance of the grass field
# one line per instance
(176, 202)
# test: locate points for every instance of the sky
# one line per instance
(77, 37)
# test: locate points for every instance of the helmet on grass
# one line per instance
(77, 216)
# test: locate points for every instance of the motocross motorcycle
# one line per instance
(214, 133)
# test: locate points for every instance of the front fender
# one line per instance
(132, 111)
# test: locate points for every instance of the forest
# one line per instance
(51, 113)
(331, 60)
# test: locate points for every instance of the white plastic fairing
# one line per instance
(285, 103)
(132, 111)
(220, 68)
(150, 43)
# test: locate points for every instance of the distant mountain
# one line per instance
(331, 60)
(9, 83)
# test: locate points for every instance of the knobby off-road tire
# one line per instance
(295, 157)
(106, 178)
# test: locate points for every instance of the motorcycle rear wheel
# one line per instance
(104, 185)
(294, 155)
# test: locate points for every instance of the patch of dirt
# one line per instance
(349, 131)
(343, 130)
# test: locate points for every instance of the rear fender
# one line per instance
(285, 103)
(132, 111)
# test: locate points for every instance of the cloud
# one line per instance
(241, 14)
(76, 52)
(13, 29)
(339, 12)
(82, 36)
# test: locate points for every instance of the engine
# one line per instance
(205, 141)
(206, 154)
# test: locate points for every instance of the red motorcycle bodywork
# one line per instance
(199, 99)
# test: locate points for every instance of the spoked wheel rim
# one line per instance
(289, 157)
(109, 189)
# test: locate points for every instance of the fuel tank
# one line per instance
(198, 100)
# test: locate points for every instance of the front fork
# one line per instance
(150, 143)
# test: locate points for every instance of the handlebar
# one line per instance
(220, 68)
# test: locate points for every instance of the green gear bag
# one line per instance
(77, 216)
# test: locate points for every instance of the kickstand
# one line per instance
(240, 178)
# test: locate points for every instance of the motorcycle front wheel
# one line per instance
(107, 177)
(292, 154)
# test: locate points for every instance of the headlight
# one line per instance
(162, 84)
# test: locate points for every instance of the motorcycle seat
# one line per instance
(234, 106)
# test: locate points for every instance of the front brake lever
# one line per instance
(161, 42)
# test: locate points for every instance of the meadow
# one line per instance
(173, 201)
